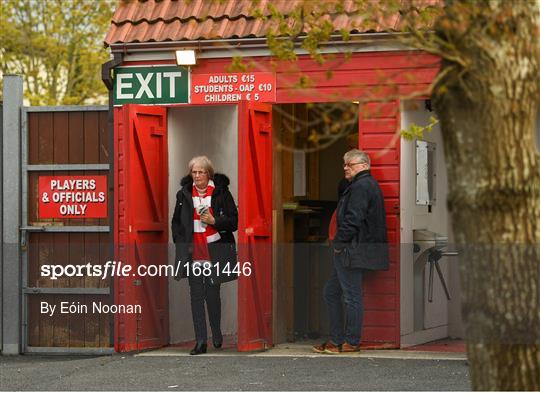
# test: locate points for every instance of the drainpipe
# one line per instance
(107, 79)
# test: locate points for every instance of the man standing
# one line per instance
(360, 244)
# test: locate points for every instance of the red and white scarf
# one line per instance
(203, 233)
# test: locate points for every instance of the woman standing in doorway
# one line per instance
(205, 217)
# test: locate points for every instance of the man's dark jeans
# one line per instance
(344, 282)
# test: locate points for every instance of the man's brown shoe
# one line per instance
(322, 348)
(346, 347)
(332, 348)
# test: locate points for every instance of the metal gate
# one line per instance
(70, 140)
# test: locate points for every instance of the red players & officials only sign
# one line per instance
(72, 196)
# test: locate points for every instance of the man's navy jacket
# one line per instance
(361, 225)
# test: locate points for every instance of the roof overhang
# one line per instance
(254, 47)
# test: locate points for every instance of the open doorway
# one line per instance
(193, 131)
(150, 139)
(306, 176)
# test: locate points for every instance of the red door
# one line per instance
(255, 226)
(141, 225)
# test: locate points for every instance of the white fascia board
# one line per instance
(155, 53)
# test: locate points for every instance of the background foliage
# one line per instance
(57, 46)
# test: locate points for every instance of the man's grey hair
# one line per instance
(355, 155)
(204, 162)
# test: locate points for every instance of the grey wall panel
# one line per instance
(1, 219)
(11, 207)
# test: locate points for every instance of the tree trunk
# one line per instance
(488, 110)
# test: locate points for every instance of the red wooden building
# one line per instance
(155, 139)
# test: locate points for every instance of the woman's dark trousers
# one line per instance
(200, 292)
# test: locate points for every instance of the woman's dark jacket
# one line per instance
(361, 225)
(226, 216)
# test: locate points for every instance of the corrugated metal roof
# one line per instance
(177, 20)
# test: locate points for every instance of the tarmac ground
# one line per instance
(282, 368)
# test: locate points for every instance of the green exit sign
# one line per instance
(151, 85)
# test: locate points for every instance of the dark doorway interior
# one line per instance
(306, 179)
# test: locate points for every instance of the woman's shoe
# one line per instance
(217, 341)
(200, 347)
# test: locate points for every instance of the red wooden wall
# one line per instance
(377, 136)
(374, 77)
(371, 77)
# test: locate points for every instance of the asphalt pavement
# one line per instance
(229, 372)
